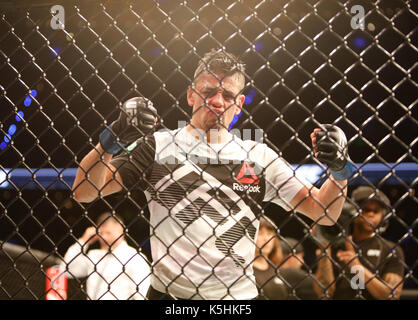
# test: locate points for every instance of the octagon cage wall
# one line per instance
(67, 66)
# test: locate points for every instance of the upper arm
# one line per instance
(306, 201)
(323, 205)
(284, 186)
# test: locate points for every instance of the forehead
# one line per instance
(209, 80)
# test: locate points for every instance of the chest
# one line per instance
(110, 263)
(208, 179)
(372, 257)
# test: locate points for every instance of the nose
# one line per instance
(217, 100)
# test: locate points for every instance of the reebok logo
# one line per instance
(240, 187)
(246, 176)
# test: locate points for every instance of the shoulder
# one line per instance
(378, 246)
(165, 135)
(257, 149)
(392, 248)
(166, 140)
(135, 254)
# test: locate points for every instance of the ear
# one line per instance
(190, 98)
(239, 104)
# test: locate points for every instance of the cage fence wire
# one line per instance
(67, 66)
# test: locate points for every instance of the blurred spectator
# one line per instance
(369, 266)
(269, 285)
(116, 271)
(298, 281)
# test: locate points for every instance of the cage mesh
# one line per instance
(307, 63)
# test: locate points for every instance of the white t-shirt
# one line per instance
(205, 203)
(121, 274)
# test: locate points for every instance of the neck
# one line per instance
(113, 246)
(211, 135)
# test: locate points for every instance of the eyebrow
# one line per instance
(211, 89)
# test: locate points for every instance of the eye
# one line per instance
(208, 93)
(228, 96)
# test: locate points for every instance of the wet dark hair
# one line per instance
(221, 62)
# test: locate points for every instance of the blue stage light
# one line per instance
(12, 129)
(234, 120)
(360, 42)
(55, 51)
(248, 99)
(250, 96)
(28, 101)
(258, 46)
(19, 116)
(156, 51)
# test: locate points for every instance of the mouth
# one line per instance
(215, 111)
(368, 221)
(215, 114)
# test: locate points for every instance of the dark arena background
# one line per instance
(64, 72)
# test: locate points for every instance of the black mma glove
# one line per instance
(137, 117)
(331, 145)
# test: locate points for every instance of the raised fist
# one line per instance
(137, 117)
(330, 147)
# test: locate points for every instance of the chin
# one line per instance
(210, 125)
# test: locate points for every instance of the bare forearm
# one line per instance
(322, 205)
(91, 175)
(325, 277)
(377, 288)
(332, 196)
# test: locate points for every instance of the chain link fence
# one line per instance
(67, 66)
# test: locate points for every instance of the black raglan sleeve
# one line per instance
(135, 163)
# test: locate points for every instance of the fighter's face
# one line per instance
(371, 216)
(215, 101)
